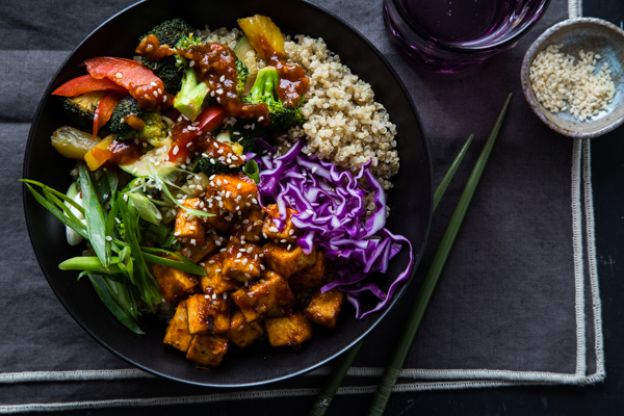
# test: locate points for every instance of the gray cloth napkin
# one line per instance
(518, 302)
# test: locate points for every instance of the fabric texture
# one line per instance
(518, 301)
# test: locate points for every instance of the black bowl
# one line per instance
(410, 200)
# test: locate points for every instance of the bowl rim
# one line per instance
(418, 253)
(537, 45)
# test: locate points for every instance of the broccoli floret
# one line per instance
(126, 107)
(264, 91)
(156, 130)
(81, 109)
(170, 31)
(167, 70)
(210, 166)
(242, 74)
(191, 96)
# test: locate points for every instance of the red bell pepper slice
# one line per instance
(185, 132)
(142, 83)
(85, 84)
(104, 111)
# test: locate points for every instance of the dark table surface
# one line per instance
(603, 399)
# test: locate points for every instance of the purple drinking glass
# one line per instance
(449, 36)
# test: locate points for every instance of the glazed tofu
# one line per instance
(188, 226)
(173, 283)
(178, 335)
(197, 252)
(324, 308)
(243, 333)
(214, 281)
(242, 261)
(288, 331)
(249, 228)
(207, 350)
(285, 234)
(207, 314)
(288, 260)
(270, 296)
(232, 193)
(221, 221)
(312, 276)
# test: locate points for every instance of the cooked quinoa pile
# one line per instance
(344, 124)
(562, 82)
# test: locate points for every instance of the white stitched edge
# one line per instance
(579, 262)
(600, 373)
(246, 395)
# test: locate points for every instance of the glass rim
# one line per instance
(538, 13)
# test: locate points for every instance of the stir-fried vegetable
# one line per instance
(264, 91)
(191, 96)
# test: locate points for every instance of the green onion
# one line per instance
(145, 208)
(117, 300)
(252, 171)
(87, 264)
(450, 174)
(155, 255)
(94, 215)
(324, 399)
(61, 212)
(391, 374)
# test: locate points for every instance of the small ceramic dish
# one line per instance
(574, 35)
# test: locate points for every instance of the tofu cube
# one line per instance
(288, 331)
(324, 308)
(270, 296)
(207, 350)
(173, 283)
(283, 234)
(207, 314)
(249, 228)
(242, 261)
(178, 335)
(287, 261)
(312, 276)
(221, 221)
(188, 226)
(214, 281)
(243, 333)
(232, 193)
(197, 252)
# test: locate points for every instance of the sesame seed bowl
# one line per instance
(573, 77)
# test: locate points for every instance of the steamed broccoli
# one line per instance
(242, 73)
(155, 130)
(169, 32)
(175, 33)
(167, 70)
(126, 107)
(210, 166)
(264, 91)
(191, 96)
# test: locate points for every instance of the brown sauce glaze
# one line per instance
(124, 152)
(215, 64)
(151, 48)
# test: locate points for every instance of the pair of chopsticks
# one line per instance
(388, 380)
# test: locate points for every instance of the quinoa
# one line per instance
(563, 83)
(344, 124)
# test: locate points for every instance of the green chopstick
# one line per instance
(325, 397)
(384, 389)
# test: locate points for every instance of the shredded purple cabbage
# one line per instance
(331, 213)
